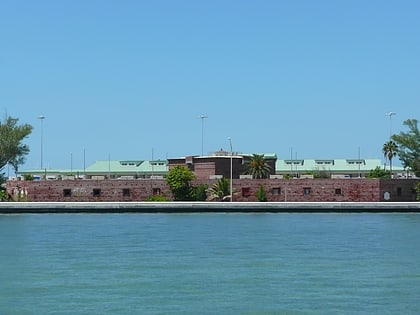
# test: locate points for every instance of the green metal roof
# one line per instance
(138, 167)
(334, 165)
(104, 167)
(127, 167)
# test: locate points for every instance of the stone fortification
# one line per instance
(277, 190)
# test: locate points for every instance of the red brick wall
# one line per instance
(204, 170)
(340, 190)
(83, 190)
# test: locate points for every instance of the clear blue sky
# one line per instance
(123, 79)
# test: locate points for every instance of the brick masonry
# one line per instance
(310, 190)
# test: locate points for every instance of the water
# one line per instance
(210, 264)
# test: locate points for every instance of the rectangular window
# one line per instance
(67, 192)
(156, 191)
(276, 190)
(126, 192)
(96, 192)
(246, 192)
(338, 191)
(399, 191)
(307, 191)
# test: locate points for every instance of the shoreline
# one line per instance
(201, 207)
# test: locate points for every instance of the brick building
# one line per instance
(219, 164)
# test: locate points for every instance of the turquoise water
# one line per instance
(210, 264)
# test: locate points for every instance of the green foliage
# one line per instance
(28, 177)
(389, 150)
(12, 150)
(261, 194)
(409, 146)
(220, 190)
(417, 188)
(415, 166)
(3, 195)
(321, 173)
(200, 192)
(160, 198)
(378, 172)
(179, 179)
(257, 166)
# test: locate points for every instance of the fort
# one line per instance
(277, 190)
(334, 180)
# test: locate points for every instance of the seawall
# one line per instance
(197, 207)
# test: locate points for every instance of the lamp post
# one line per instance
(231, 170)
(41, 118)
(390, 114)
(202, 117)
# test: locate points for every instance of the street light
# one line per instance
(231, 170)
(41, 118)
(390, 114)
(202, 117)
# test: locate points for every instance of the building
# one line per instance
(331, 168)
(218, 165)
(339, 180)
(111, 169)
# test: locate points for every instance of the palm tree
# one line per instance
(389, 150)
(257, 166)
(220, 190)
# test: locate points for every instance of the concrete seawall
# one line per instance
(197, 207)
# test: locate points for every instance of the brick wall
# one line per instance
(311, 190)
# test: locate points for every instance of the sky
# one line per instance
(129, 80)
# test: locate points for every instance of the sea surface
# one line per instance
(210, 264)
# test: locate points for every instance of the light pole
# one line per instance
(41, 118)
(231, 169)
(390, 114)
(202, 117)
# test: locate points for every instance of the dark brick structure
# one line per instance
(204, 167)
(310, 190)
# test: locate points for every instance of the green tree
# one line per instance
(257, 166)
(417, 188)
(3, 195)
(179, 181)
(220, 190)
(378, 172)
(389, 150)
(261, 194)
(12, 150)
(409, 146)
(200, 192)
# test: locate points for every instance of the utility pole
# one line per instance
(41, 118)
(390, 114)
(202, 117)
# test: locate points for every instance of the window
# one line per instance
(307, 191)
(96, 192)
(338, 191)
(399, 191)
(246, 192)
(156, 191)
(126, 192)
(324, 162)
(276, 190)
(67, 192)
